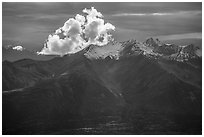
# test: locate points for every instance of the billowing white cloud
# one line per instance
(78, 33)
(19, 48)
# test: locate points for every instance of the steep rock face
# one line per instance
(172, 51)
(112, 49)
(167, 49)
(152, 43)
(186, 52)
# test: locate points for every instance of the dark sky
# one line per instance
(29, 24)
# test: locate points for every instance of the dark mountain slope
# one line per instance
(189, 72)
(147, 82)
(30, 71)
(56, 102)
(15, 77)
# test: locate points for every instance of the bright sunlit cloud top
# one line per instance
(78, 33)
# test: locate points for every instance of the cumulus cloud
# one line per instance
(78, 33)
(19, 48)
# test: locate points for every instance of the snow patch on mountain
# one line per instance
(150, 48)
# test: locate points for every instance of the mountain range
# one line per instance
(154, 87)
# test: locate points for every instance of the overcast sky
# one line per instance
(29, 24)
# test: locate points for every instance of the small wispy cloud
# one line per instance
(159, 13)
(44, 16)
(19, 48)
(195, 35)
(141, 14)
